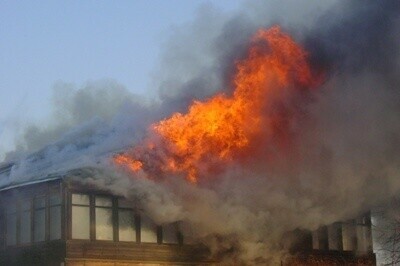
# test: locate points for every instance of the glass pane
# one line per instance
(25, 205)
(25, 227)
(55, 199)
(104, 224)
(148, 232)
(11, 208)
(335, 236)
(123, 203)
(126, 219)
(315, 240)
(55, 222)
(349, 236)
(12, 229)
(55, 188)
(103, 201)
(80, 222)
(80, 199)
(40, 202)
(170, 233)
(39, 224)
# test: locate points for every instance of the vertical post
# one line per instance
(115, 218)
(159, 234)
(138, 228)
(92, 216)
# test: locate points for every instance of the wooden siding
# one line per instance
(331, 258)
(48, 253)
(150, 253)
(94, 262)
(68, 252)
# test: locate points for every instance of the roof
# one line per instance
(39, 167)
(5, 168)
(30, 183)
(8, 182)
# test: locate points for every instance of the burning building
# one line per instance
(54, 220)
(271, 169)
(59, 218)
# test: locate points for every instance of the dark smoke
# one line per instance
(358, 36)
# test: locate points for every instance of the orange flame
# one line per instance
(225, 128)
(132, 164)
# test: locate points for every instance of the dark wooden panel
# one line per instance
(331, 258)
(96, 262)
(51, 253)
(135, 252)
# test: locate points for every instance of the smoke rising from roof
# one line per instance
(349, 147)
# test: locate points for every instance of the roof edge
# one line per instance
(31, 183)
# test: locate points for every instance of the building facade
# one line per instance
(56, 221)
(341, 243)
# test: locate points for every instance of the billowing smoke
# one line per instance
(86, 123)
(348, 133)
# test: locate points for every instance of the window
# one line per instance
(25, 222)
(80, 216)
(39, 219)
(148, 232)
(106, 218)
(103, 218)
(349, 235)
(11, 224)
(364, 234)
(335, 236)
(55, 216)
(320, 238)
(170, 233)
(126, 221)
(33, 220)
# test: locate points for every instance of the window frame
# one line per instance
(92, 214)
(49, 206)
(16, 233)
(112, 208)
(115, 218)
(20, 212)
(34, 216)
(157, 231)
(29, 194)
(178, 234)
(71, 205)
(136, 221)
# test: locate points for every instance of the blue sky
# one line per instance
(42, 42)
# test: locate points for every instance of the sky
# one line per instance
(43, 42)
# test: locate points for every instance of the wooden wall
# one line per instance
(40, 254)
(83, 252)
(331, 258)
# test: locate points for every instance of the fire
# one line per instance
(132, 164)
(225, 128)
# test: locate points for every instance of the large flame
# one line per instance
(257, 117)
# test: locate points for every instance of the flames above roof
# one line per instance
(270, 88)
